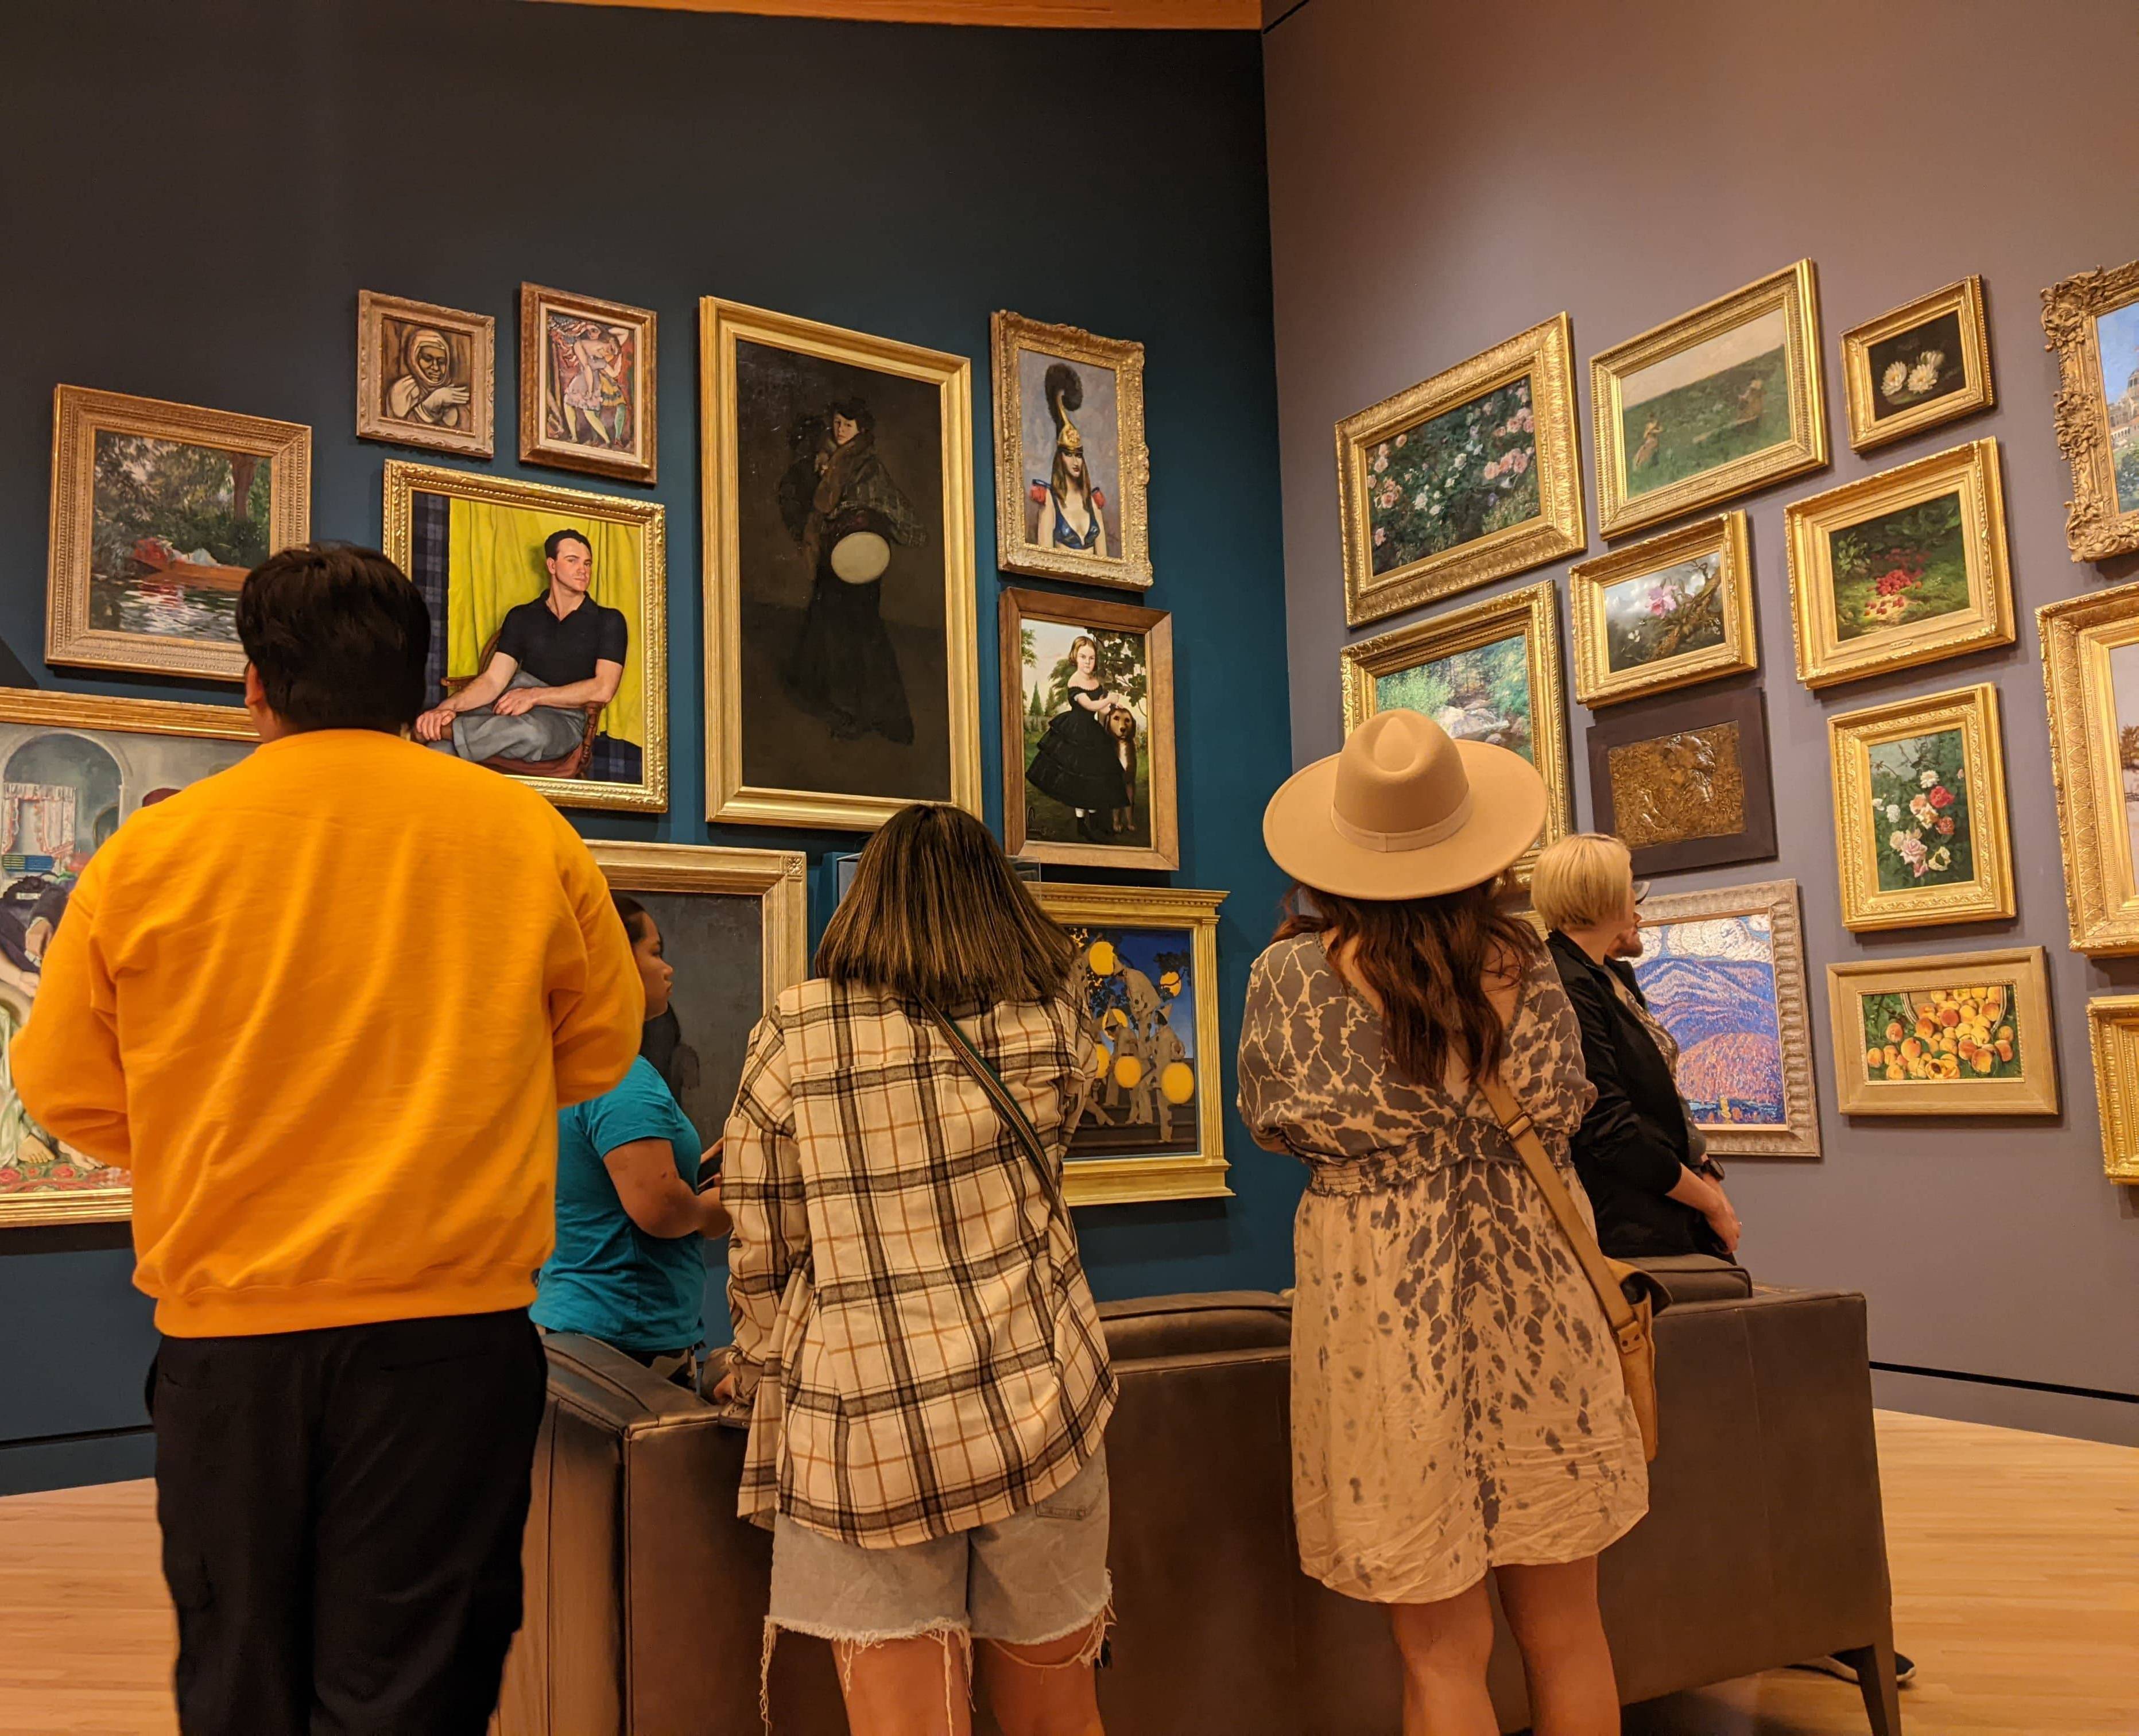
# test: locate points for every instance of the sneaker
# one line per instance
(1904, 1668)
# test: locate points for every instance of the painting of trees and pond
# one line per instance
(1481, 694)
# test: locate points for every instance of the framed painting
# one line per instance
(549, 630)
(1664, 614)
(841, 671)
(159, 512)
(1073, 476)
(1155, 1126)
(1724, 972)
(1901, 568)
(1721, 400)
(2091, 677)
(1919, 366)
(2091, 322)
(1487, 672)
(2113, 1025)
(74, 768)
(425, 375)
(586, 385)
(1088, 732)
(1687, 784)
(1920, 824)
(1463, 478)
(1963, 1033)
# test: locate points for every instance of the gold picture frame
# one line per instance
(85, 605)
(426, 375)
(565, 339)
(1976, 1015)
(1918, 367)
(1719, 553)
(1109, 421)
(2089, 642)
(1662, 365)
(1530, 614)
(1912, 798)
(778, 879)
(644, 521)
(1530, 379)
(723, 327)
(2113, 1025)
(1874, 514)
(2098, 432)
(1197, 1173)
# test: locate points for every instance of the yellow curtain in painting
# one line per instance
(494, 561)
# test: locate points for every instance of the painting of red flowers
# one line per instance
(1899, 568)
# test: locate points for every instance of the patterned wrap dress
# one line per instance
(1456, 1401)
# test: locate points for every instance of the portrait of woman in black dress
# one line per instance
(1078, 760)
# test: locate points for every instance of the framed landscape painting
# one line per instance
(587, 379)
(1724, 972)
(1465, 477)
(1716, 401)
(1966, 1034)
(2112, 1025)
(1919, 366)
(2091, 675)
(425, 375)
(159, 512)
(1687, 784)
(1664, 614)
(2093, 323)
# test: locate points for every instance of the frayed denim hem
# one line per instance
(957, 1645)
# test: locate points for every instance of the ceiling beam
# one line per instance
(1047, 14)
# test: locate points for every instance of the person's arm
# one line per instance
(1708, 1198)
(599, 689)
(1043, 532)
(597, 998)
(1614, 1137)
(486, 689)
(1085, 701)
(1263, 1078)
(762, 1181)
(656, 1198)
(65, 1063)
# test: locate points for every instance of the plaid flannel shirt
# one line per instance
(912, 1323)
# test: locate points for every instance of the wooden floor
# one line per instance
(2016, 1588)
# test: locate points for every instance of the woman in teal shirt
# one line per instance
(628, 1269)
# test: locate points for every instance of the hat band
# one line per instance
(1416, 839)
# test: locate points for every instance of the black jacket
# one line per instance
(1631, 1146)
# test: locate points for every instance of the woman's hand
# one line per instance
(1723, 1219)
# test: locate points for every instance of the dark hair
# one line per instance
(936, 913)
(857, 411)
(633, 914)
(557, 539)
(1426, 959)
(338, 637)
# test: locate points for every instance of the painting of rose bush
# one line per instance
(1658, 616)
(1920, 814)
(1453, 478)
(1899, 568)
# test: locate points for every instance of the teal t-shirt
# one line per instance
(608, 1278)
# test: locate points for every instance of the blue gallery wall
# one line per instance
(196, 191)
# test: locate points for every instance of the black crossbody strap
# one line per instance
(1006, 1106)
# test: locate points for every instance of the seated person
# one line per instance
(555, 656)
(627, 1268)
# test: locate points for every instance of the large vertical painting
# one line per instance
(2093, 323)
(2091, 673)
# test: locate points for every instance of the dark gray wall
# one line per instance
(1443, 176)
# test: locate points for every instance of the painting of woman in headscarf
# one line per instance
(424, 374)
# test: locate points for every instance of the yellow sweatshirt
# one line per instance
(326, 1005)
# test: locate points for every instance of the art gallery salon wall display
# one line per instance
(1488, 672)
(1465, 477)
(425, 375)
(1072, 476)
(159, 512)
(1154, 1126)
(1901, 568)
(1088, 731)
(1664, 614)
(1709, 405)
(555, 602)
(1724, 972)
(1963, 1033)
(2090, 677)
(841, 675)
(1919, 366)
(1686, 784)
(1919, 823)
(587, 380)
(2113, 1024)
(76, 768)
(2091, 322)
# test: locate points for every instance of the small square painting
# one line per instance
(1711, 983)
(1715, 401)
(587, 382)
(1481, 694)
(1454, 477)
(1920, 814)
(1140, 989)
(425, 375)
(1901, 567)
(1917, 366)
(1941, 1032)
(1657, 616)
(2116, 341)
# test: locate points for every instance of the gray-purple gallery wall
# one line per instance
(1444, 175)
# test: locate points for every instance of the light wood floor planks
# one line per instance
(2016, 1580)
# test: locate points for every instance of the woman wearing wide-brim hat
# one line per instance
(1457, 1404)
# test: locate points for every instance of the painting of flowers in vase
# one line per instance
(1453, 477)
(1900, 567)
(1921, 816)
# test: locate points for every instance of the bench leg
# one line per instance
(1874, 1666)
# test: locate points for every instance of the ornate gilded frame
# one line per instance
(405, 479)
(1009, 333)
(78, 414)
(1963, 298)
(536, 445)
(778, 879)
(1799, 1136)
(2033, 1092)
(1155, 627)
(1200, 1175)
(1595, 684)
(1545, 353)
(721, 324)
(1822, 659)
(1795, 289)
(1850, 737)
(2112, 1025)
(2094, 527)
(2102, 879)
(372, 310)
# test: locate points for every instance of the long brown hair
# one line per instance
(1426, 959)
(936, 913)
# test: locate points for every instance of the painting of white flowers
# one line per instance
(1919, 366)
(1454, 477)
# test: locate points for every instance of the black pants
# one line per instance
(342, 1513)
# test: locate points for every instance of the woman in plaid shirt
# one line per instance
(927, 1378)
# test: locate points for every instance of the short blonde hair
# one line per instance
(1582, 880)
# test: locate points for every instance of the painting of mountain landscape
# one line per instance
(1711, 983)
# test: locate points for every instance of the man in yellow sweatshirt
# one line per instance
(326, 1006)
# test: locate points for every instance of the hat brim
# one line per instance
(1508, 804)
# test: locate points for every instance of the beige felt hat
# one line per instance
(1405, 811)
